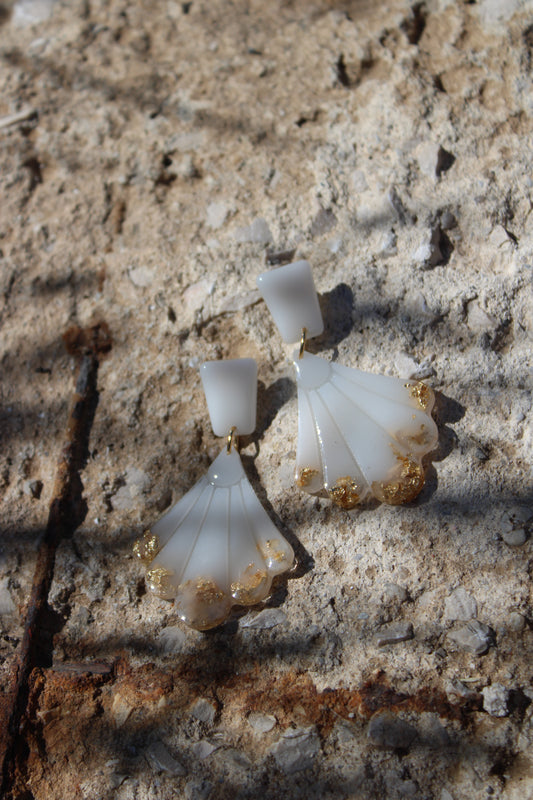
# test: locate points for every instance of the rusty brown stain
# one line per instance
(289, 696)
(67, 511)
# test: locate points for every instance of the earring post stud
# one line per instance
(231, 440)
(303, 339)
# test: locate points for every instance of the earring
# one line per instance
(217, 547)
(359, 434)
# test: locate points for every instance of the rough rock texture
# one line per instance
(154, 158)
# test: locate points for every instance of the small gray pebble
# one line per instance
(261, 723)
(162, 761)
(297, 749)
(459, 605)
(517, 621)
(394, 593)
(204, 711)
(495, 700)
(474, 637)
(514, 538)
(268, 618)
(392, 634)
(386, 730)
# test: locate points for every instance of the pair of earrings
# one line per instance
(359, 435)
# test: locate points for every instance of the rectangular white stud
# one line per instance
(291, 297)
(231, 392)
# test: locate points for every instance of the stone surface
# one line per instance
(459, 605)
(204, 711)
(261, 723)
(162, 761)
(391, 732)
(296, 750)
(495, 700)
(155, 160)
(394, 633)
(268, 618)
(475, 637)
(7, 606)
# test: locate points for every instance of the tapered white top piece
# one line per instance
(291, 297)
(231, 392)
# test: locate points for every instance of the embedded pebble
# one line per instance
(142, 277)
(261, 723)
(239, 302)
(459, 606)
(514, 537)
(137, 482)
(457, 690)
(432, 731)
(204, 711)
(31, 12)
(493, 12)
(474, 637)
(517, 621)
(7, 606)
(386, 730)
(479, 320)
(428, 254)
(197, 293)
(216, 215)
(162, 761)
(392, 634)
(495, 700)
(198, 790)
(256, 233)
(433, 159)
(268, 618)
(235, 759)
(394, 593)
(172, 639)
(33, 488)
(120, 709)
(515, 527)
(203, 749)
(296, 749)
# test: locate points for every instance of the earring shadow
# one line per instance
(337, 307)
(269, 401)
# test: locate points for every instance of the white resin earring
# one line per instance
(217, 547)
(359, 434)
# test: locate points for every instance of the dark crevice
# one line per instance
(341, 71)
(445, 160)
(413, 26)
(68, 509)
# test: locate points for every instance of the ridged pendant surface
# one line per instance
(217, 547)
(361, 434)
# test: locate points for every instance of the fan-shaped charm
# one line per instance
(215, 548)
(358, 434)
(361, 434)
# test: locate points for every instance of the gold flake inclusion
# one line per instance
(405, 487)
(147, 547)
(159, 582)
(252, 586)
(422, 394)
(345, 493)
(202, 604)
(270, 551)
(305, 476)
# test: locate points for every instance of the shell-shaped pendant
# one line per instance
(361, 434)
(215, 548)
